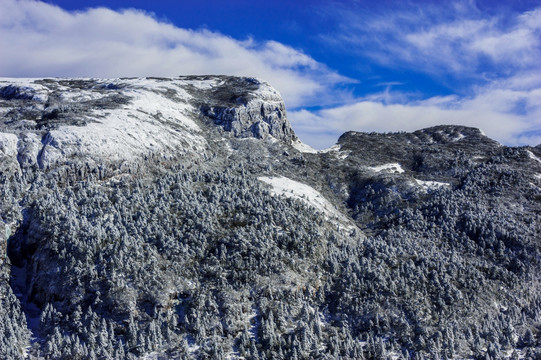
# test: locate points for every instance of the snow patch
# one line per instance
(430, 185)
(342, 155)
(294, 189)
(532, 156)
(304, 148)
(335, 147)
(8, 144)
(392, 168)
(335, 150)
(266, 92)
(284, 186)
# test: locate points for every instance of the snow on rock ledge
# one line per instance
(391, 168)
(304, 148)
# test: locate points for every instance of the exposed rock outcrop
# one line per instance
(253, 109)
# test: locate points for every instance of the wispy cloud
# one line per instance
(453, 37)
(38, 39)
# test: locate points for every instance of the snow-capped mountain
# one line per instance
(48, 122)
(154, 218)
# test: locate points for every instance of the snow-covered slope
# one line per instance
(283, 186)
(51, 121)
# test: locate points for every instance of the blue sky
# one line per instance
(340, 65)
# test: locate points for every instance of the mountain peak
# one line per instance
(440, 134)
(451, 133)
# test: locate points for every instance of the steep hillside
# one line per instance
(181, 218)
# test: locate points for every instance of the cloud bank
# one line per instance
(39, 40)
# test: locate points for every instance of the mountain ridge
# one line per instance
(182, 218)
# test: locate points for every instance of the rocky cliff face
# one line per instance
(247, 108)
(181, 218)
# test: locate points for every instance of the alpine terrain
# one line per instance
(158, 218)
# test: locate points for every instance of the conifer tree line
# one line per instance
(190, 256)
(195, 263)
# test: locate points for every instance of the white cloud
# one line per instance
(38, 39)
(440, 38)
(494, 110)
